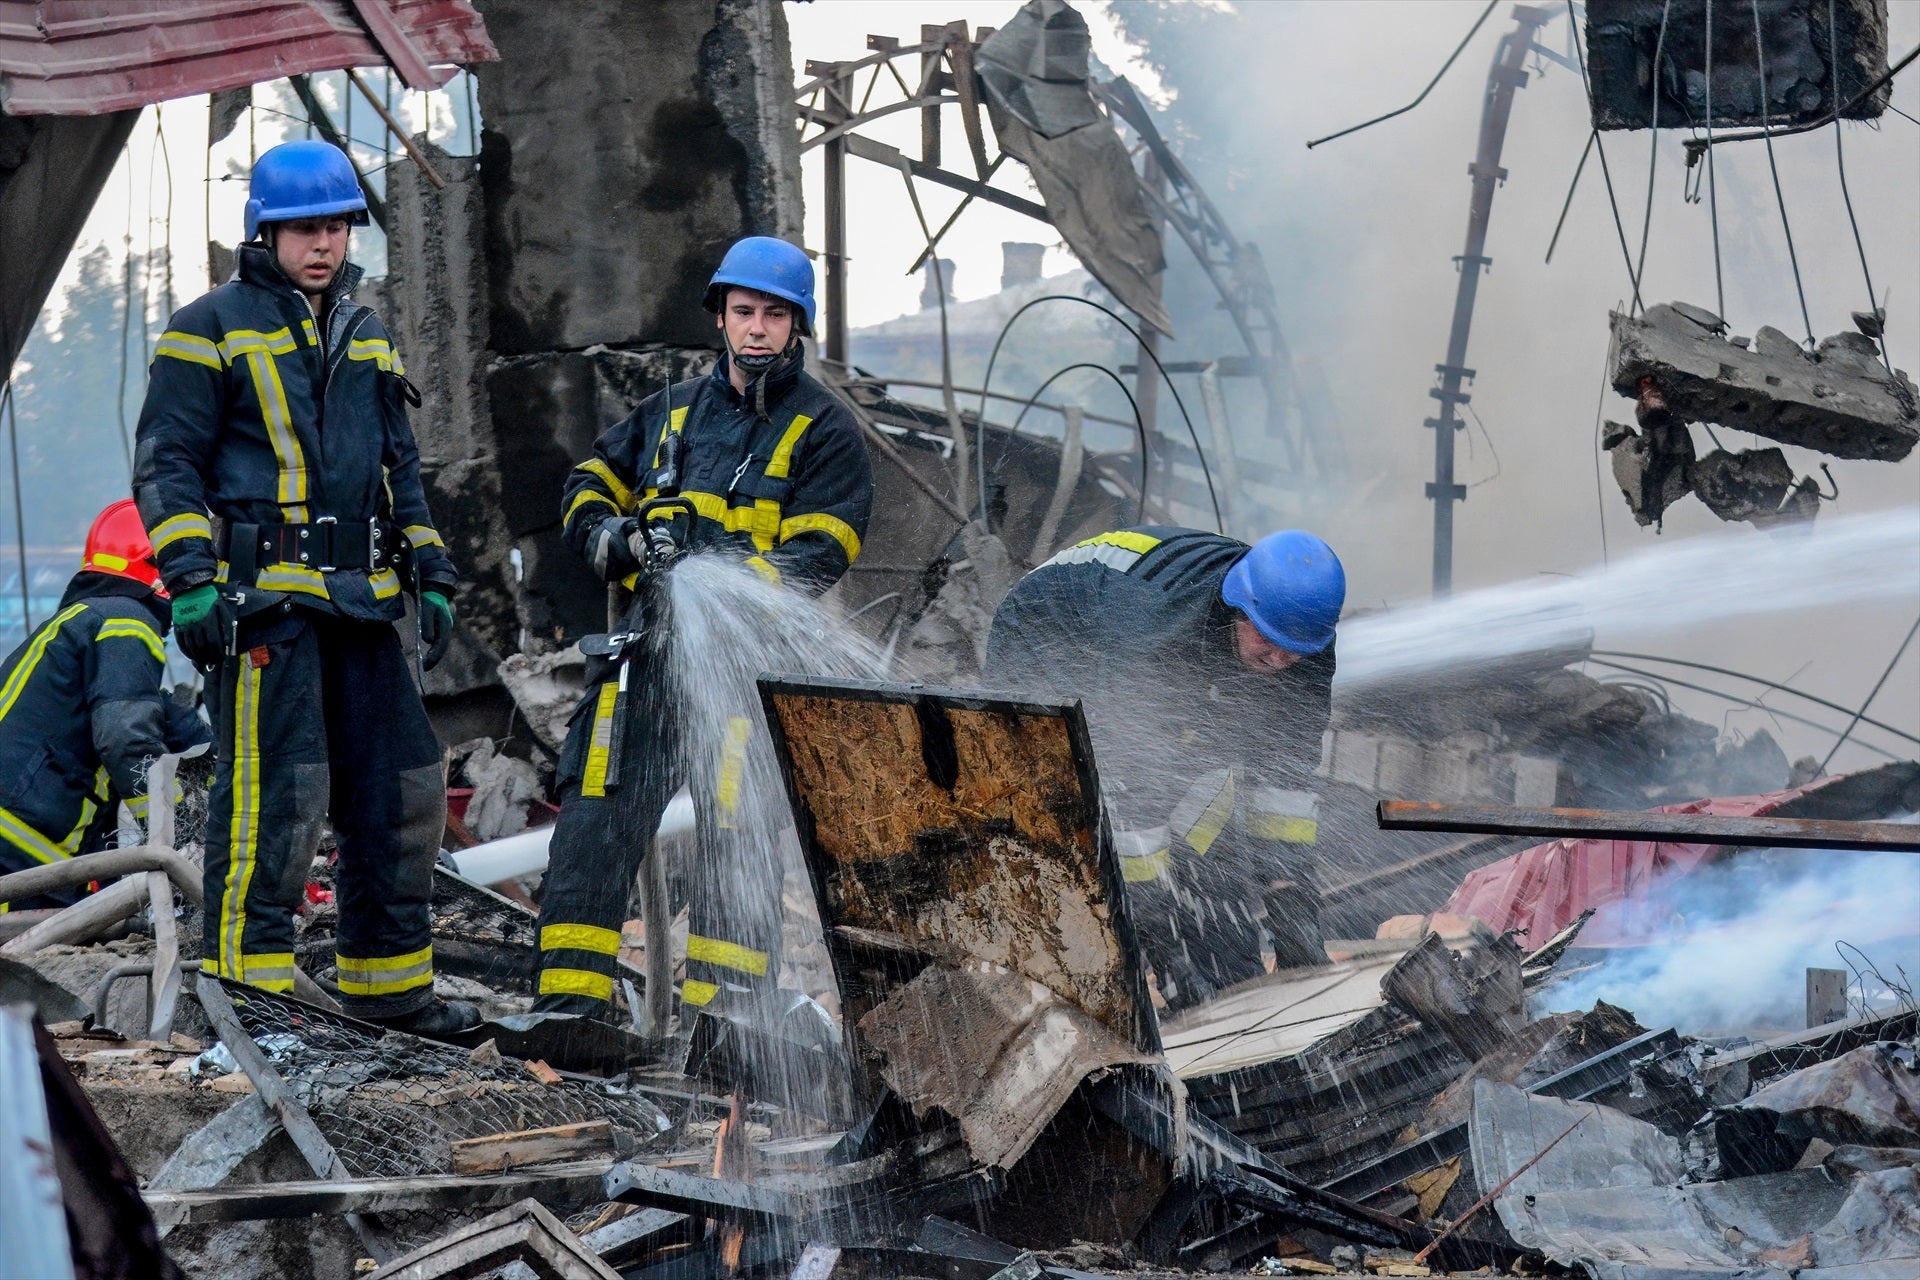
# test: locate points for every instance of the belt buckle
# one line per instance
(325, 551)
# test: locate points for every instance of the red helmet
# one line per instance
(117, 544)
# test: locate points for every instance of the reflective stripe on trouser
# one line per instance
(598, 844)
(315, 715)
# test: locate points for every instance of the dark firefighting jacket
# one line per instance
(82, 715)
(788, 493)
(256, 417)
(1132, 624)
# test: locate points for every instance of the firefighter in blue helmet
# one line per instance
(278, 476)
(777, 476)
(82, 708)
(1205, 667)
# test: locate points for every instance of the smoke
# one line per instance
(1729, 945)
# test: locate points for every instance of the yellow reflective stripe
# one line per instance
(313, 334)
(270, 970)
(1137, 868)
(676, 422)
(385, 584)
(260, 349)
(765, 569)
(133, 629)
(243, 833)
(190, 347)
(29, 841)
(1273, 826)
(89, 806)
(622, 495)
(292, 577)
(136, 805)
(733, 767)
(761, 520)
(1200, 817)
(384, 975)
(104, 560)
(582, 498)
(378, 350)
(190, 524)
(694, 992)
(575, 982)
(820, 522)
(783, 452)
(727, 955)
(10, 691)
(423, 535)
(1139, 542)
(593, 781)
(580, 937)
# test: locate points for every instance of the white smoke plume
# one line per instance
(1738, 937)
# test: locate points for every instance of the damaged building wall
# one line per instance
(546, 291)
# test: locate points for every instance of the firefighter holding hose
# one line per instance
(758, 462)
(1205, 668)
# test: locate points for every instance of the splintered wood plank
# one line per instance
(578, 1141)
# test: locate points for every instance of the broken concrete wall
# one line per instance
(1839, 399)
(1626, 84)
(543, 294)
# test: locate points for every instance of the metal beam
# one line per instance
(1630, 824)
(567, 1184)
(893, 158)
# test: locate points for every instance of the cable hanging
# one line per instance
(19, 511)
(1766, 124)
(1653, 149)
(1139, 423)
(1600, 148)
(1219, 524)
(1713, 192)
(1840, 161)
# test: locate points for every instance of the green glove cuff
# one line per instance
(192, 605)
(438, 601)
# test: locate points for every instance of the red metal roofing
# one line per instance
(88, 57)
(1544, 889)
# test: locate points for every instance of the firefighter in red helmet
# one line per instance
(82, 708)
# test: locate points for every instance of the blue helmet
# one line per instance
(1291, 586)
(303, 180)
(772, 267)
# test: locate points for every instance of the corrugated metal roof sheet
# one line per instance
(89, 57)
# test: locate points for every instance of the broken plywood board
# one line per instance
(524, 1233)
(972, 823)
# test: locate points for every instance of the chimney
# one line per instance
(1020, 263)
(930, 286)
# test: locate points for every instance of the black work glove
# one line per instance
(436, 628)
(202, 621)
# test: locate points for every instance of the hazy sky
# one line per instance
(1359, 235)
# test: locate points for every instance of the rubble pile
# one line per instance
(1000, 1097)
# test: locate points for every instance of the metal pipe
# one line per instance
(106, 865)
(84, 919)
(835, 201)
(1630, 824)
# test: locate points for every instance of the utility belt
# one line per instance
(324, 544)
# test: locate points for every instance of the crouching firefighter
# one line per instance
(82, 709)
(278, 476)
(758, 462)
(1206, 670)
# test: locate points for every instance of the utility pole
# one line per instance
(1506, 75)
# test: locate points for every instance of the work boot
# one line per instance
(436, 1020)
(578, 1007)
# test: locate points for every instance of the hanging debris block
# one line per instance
(1645, 56)
(1755, 485)
(1651, 467)
(1840, 399)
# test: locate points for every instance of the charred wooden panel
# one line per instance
(937, 824)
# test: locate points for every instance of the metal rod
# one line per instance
(318, 117)
(1861, 713)
(835, 177)
(1458, 50)
(1631, 824)
(393, 127)
(1695, 146)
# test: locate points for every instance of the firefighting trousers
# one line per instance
(318, 718)
(1232, 863)
(624, 758)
